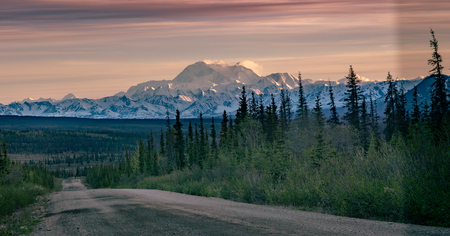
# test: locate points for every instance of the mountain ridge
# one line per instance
(207, 88)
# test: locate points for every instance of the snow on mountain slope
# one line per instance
(203, 87)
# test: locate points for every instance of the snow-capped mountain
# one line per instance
(203, 87)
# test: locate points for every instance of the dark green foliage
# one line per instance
(142, 155)
(364, 125)
(285, 109)
(402, 114)
(318, 114)
(439, 92)
(271, 124)
(201, 147)
(20, 184)
(302, 109)
(179, 146)
(334, 116)
(162, 144)
(223, 130)
(214, 148)
(253, 107)
(415, 115)
(374, 117)
(390, 111)
(352, 99)
(242, 111)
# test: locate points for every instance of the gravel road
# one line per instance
(78, 211)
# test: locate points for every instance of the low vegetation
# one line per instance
(20, 186)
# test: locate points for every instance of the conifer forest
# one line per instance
(393, 166)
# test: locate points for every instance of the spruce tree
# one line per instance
(318, 114)
(272, 120)
(402, 114)
(195, 159)
(320, 121)
(374, 117)
(253, 107)
(162, 149)
(302, 108)
(364, 125)
(288, 108)
(283, 109)
(223, 134)
(390, 111)
(351, 100)
(261, 112)
(213, 140)
(179, 146)
(190, 143)
(142, 156)
(242, 111)
(202, 144)
(415, 116)
(169, 144)
(439, 92)
(334, 116)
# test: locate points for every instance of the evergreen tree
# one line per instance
(439, 92)
(5, 162)
(390, 111)
(261, 112)
(272, 120)
(288, 108)
(169, 144)
(402, 115)
(318, 114)
(364, 125)
(142, 156)
(253, 107)
(223, 134)
(320, 120)
(202, 144)
(195, 159)
(302, 109)
(152, 156)
(190, 142)
(283, 109)
(334, 116)
(374, 117)
(213, 140)
(179, 142)
(415, 116)
(351, 100)
(242, 111)
(162, 149)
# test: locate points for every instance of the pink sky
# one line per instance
(98, 48)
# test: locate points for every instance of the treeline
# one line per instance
(273, 155)
(60, 142)
(20, 184)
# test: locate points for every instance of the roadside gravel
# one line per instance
(78, 211)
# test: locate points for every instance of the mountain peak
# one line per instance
(210, 62)
(69, 96)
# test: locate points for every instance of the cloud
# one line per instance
(40, 11)
(252, 66)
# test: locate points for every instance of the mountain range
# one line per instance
(203, 87)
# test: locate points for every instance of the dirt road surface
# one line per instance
(78, 211)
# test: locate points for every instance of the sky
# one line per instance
(97, 48)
